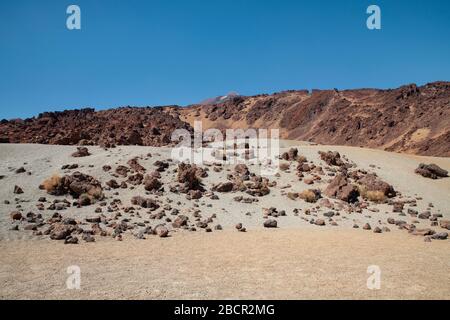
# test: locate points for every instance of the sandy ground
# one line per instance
(266, 264)
(298, 260)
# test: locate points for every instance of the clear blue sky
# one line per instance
(180, 52)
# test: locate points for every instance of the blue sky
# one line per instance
(180, 52)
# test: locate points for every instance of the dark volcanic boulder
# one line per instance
(144, 202)
(134, 164)
(223, 187)
(59, 231)
(187, 176)
(271, 223)
(151, 183)
(81, 152)
(135, 179)
(291, 155)
(432, 171)
(180, 221)
(76, 184)
(341, 188)
(332, 158)
(372, 183)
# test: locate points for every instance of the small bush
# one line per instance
(51, 183)
(375, 196)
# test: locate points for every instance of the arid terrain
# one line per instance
(141, 225)
(360, 181)
(410, 119)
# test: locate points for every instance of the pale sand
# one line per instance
(266, 264)
(296, 261)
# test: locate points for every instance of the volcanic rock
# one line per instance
(432, 171)
(16, 215)
(151, 183)
(134, 164)
(17, 190)
(372, 183)
(81, 152)
(122, 170)
(187, 176)
(223, 187)
(319, 222)
(331, 158)
(271, 223)
(60, 231)
(112, 184)
(180, 221)
(342, 189)
(388, 117)
(121, 126)
(144, 202)
(440, 236)
(135, 179)
(76, 184)
(445, 224)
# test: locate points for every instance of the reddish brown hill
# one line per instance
(122, 126)
(408, 119)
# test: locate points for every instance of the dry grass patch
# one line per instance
(375, 196)
(51, 183)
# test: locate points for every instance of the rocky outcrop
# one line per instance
(144, 202)
(432, 171)
(121, 126)
(81, 152)
(371, 182)
(78, 185)
(411, 118)
(341, 188)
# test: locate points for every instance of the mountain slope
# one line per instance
(412, 119)
(408, 119)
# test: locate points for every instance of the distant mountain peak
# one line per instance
(219, 99)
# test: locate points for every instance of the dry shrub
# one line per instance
(284, 166)
(308, 195)
(362, 191)
(51, 183)
(375, 196)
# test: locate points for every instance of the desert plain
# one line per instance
(211, 242)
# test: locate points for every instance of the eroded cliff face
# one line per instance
(408, 119)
